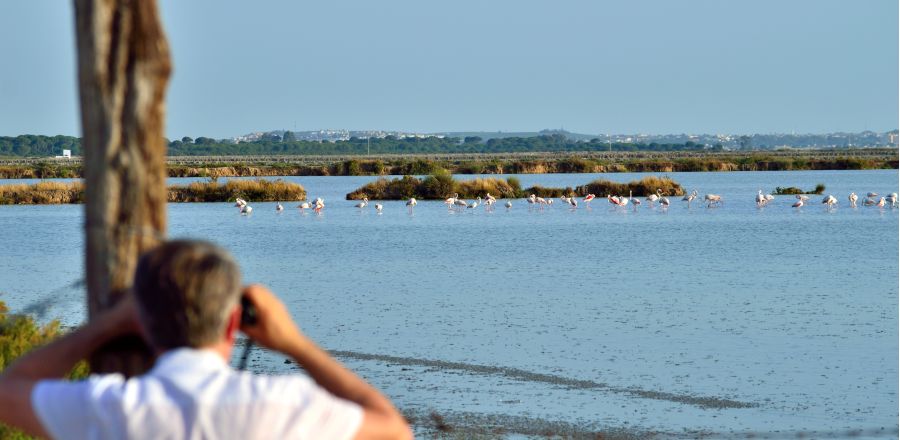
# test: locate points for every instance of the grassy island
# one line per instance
(791, 190)
(441, 185)
(50, 193)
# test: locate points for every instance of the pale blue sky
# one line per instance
(645, 66)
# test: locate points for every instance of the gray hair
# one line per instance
(185, 291)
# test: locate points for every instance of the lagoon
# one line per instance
(720, 320)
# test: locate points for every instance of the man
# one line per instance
(187, 306)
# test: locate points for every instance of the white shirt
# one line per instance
(193, 394)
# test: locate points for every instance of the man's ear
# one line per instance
(234, 324)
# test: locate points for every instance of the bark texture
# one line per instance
(123, 70)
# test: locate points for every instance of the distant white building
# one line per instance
(67, 154)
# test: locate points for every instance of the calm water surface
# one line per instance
(632, 317)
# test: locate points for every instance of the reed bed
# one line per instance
(54, 193)
(437, 186)
(258, 190)
(42, 193)
(638, 188)
(441, 185)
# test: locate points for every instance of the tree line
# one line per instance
(37, 145)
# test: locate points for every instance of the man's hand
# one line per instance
(274, 328)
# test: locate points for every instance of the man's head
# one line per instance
(186, 292)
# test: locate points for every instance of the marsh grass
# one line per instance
(53, 193)
(437, 186)
(259, 190)
(637, 188)
(42, 193)
(441, 185)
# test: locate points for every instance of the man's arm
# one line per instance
(276, 330)
(53, 361)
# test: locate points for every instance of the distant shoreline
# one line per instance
(482, 163)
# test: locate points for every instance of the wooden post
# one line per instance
(123, 69)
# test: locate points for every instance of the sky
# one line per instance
(594, 67)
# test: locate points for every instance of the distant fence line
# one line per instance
(871, 153)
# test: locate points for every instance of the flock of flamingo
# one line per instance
(711, 200)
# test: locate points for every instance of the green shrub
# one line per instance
(20, 334)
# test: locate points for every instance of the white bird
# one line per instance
(379, 207)
(239, 202)
(798, 204)
(587, 199)
(304, 205)
(712, 199)
(573, 201)
(474, 204)
(769, 198)
(760, 199)
(508, 204)
(690, 197)
(635, 201)
(803, 197)
(892, 199)
(449, 201)
(872, 194)
(246, 209)
(279, 208)
(319, 205)
(613, 199)
(411, 202)
(880, 203)
(460, 202)
(867, 202)
(362, 204)
(664, 202)
(829, 200)
(853, 198)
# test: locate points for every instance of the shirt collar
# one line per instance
(186, 359)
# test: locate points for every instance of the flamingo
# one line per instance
(460, 202)
(451, 200)
(549, 202)
(868, 202)
(508, 204)
(623, 201)
(872, 194)
(769, 198)
(654, 197)
(802, 197)
(588, 198)
(892, 199)
(279, 208)
(239, 202)
(664, 202)
(379, 207)
(880, 203)
(613, 199)
(760, 199)
(798, 204)
(474, 204)
(829, 201)
(712, 199)
(532, 199)
(690, 197)
(304, 205)
(634, 201)
(362, 204)
(246, 209)
(853, 198)
(319, 205)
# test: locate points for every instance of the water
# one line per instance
(781, 319)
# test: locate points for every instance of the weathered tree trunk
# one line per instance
(123, 69)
